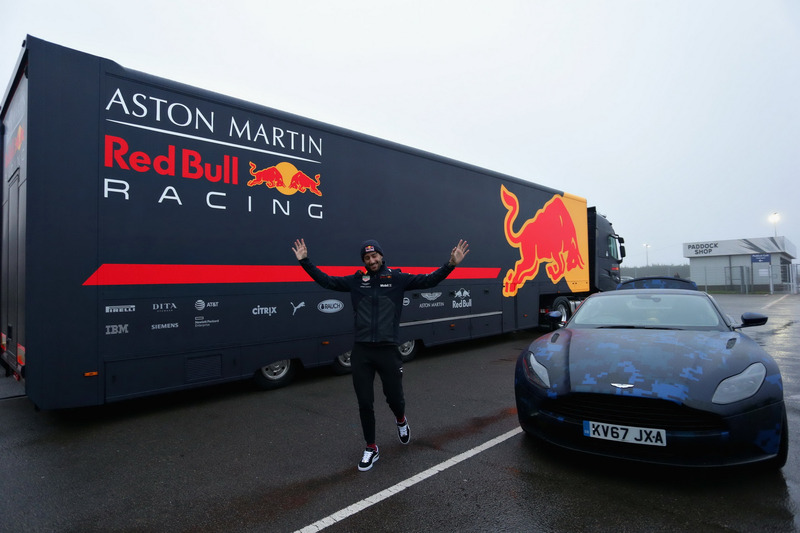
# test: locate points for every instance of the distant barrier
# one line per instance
(746, 280)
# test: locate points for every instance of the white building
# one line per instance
(743, 265)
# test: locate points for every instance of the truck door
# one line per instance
(12, 277)
(12, 299)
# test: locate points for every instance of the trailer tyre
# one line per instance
(275, 375)
(341, 365)
(408, 350)
(562, 304)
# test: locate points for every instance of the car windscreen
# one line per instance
(648, 310)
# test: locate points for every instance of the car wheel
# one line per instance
(561, 304)
(341, 365)
(408, 350)
(275, 375)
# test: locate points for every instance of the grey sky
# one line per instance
(678, 119)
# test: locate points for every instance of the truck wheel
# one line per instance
(408, 350)
(275, 375)
(341, 365)
(562, 304)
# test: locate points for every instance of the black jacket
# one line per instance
(377, 297)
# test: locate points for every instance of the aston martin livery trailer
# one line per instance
(147, 231)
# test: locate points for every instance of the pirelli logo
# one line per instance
(120, 308)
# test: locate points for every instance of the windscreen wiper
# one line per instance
(641, 326)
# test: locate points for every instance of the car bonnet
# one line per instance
(677, 365)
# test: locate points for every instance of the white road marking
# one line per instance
(773, 302)
(403, 485)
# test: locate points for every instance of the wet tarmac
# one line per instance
(233, 458)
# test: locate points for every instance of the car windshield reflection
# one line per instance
(648, 310)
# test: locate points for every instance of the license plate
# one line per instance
(634, 435)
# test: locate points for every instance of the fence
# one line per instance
(748, 279)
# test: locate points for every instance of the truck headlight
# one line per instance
(740, 386)
(536, 371)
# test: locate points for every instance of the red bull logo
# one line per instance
(285, 178)
(550, 238)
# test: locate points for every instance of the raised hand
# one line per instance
(459, 252)
(300, 250)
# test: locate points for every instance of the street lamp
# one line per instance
(646, 254)
(774, 218)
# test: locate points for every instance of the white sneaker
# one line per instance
(370, 456)
(404, 432)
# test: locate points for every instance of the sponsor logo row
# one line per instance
(165, 309)
(462, 299)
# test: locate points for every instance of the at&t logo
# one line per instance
(202, 304)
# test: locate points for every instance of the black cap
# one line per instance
(369, 246)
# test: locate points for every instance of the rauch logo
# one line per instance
(330, 306)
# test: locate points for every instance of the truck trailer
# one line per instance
(147, 231)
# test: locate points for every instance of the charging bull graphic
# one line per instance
(285, 177)
(549, 237)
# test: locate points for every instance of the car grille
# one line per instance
(632, 411)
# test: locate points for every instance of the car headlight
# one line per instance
(536, 371)
(740, 386)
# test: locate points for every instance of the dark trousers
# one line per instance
(365, 361)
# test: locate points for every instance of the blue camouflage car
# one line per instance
(655, 375)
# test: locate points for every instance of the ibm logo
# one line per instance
(116, 329)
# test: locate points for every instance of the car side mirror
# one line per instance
(753, 319)
(554, 318)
